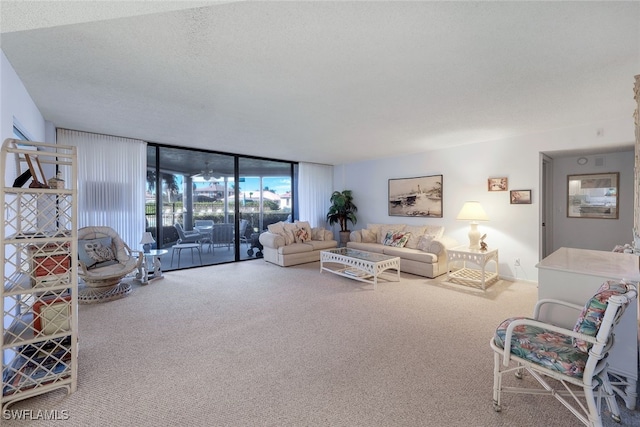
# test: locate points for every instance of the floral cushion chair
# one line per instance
(574, 357)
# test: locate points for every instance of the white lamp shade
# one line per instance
(147, 237)
(472, 211)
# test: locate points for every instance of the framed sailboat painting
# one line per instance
(419, 196)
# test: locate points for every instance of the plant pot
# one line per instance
(344, 237)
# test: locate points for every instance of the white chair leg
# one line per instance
(609, 396)
(497, 382)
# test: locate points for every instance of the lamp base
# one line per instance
(146, 248)
(474, 236)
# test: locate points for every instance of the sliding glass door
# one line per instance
(214, 205)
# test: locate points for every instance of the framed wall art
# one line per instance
(497, 184)
(520, 197)
(420, 196)
(593, 195)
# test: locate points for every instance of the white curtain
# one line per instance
(111, 182)
(315, 185)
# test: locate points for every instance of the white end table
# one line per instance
(151, 268)
(472, 276)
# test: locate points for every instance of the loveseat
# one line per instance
(422, 249)
(287, 244)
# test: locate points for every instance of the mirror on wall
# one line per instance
(593, 195)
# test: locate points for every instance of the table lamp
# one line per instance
(146, 241)
(472, 211)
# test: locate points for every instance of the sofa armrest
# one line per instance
(271, 240)
(440, 245)
(355, 236)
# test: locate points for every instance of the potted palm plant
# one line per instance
(342, 210)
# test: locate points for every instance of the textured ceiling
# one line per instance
(326, 82)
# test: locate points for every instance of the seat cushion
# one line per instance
(320, 245)
(549, 349)
(412, 254)
(295, 248)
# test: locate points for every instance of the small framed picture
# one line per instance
(520, 197)
(37, 173)
(52, 316)
(498, 184)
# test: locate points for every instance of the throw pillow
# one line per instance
(368, 236)
(302, 235)
(424, 243)
(400, 239)
(305, 225)
(593, 312)
(95, 251)
(384, 229)
(277, 228)
(289, 233)
(436, 231)
(388, 238)
(317, 233)
(416, 232)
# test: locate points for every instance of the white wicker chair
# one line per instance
(576, 358)
(103, 280)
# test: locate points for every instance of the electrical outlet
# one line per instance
(517, 262)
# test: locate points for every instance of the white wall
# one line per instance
(513, 229)
(16, 105)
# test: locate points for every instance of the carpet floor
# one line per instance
(253, 344)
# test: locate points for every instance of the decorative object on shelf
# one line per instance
(593, 195)
(342, 210)
(520, 197)
(582, 161)
(56, 181)
(146, 241)
(473, 211)
(483, 245)
(497, 184)
(39, 180)
(51, 316)
(420, 196)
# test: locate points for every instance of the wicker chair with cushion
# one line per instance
(104, 260)
(575, 360)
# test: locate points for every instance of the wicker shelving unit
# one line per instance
(38, 244)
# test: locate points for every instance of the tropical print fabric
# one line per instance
(557, 351)
(593, 312)
(546, 348)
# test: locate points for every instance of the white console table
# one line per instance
(574, 275)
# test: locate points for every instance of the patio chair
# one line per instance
(222, 235)
(104, 260)
(205, 227)
(243, 230)
(576, 358)
(193, 236)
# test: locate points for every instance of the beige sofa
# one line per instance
(287, 244)
(422, 249)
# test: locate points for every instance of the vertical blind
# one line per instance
(111, 182)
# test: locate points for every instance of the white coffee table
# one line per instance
(358, 265)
